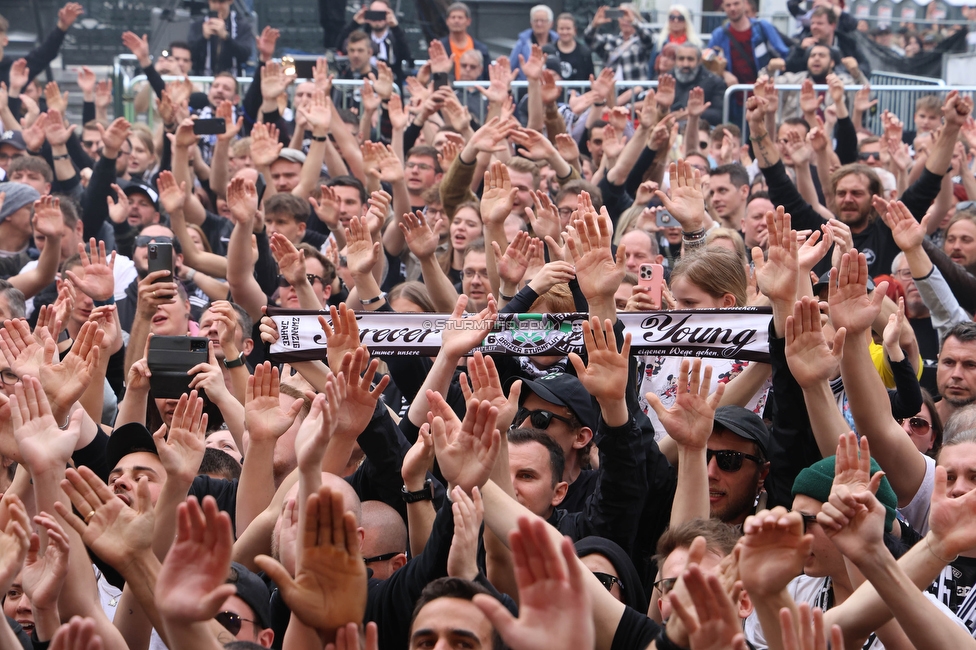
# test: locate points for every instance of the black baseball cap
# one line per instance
(745, 424)
(133, 187)
(15, 139)
(567, 390)
(824, 282)
(252, 590)
(129, 439)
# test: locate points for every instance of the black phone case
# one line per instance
(161, 259)
(170, 358)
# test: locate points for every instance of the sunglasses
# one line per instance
(703, 144)
(676, 18)
(145, 240)
(283, 283)
(868, 155)
(919, 426)
(608, 580)
(541, 419)
(90, 144)
(730, 461)
(232, 622)
(381, 558)
(665, 585)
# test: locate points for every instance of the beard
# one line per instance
(685, 77)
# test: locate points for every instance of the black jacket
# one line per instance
(212, 55)
(399, 57)
(714, 87)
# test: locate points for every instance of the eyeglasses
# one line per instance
(566, 212)
(381, 558)
(541, 419)
(470, 273)
(729, 460)
(919, 426)
(905, 274)
(90, 144)
(283, 282)
(608, 580)
(123, 152)
(9, 377)
(808, 520)
(145, 240)
(676, 18)
(665, 585)
(424, 167)
(231, 621)
(868, 155)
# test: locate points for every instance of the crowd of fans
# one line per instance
(609, 499)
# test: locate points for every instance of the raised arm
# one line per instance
(242, 199)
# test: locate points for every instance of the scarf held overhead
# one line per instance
(740, 334)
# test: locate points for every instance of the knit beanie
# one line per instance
(815, 482)
(17, 196)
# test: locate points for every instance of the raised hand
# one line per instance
(776, 273)
(850, 305)
(532, 69)
(225, 109)
(55, 100)
(809, 357)
(192, 582)
(466, 450)
(418, 460)
(48, 219)
(799, 148)
(359, 396)
(19, 74)
(498, 199)
(438, 58)
(329, 589)
(181, 445)
(665, 92)
(14, 539)
(342, 335)
(318, 427)
(242, 197)
(68, 14)
(46, 565)
(852, 517)
(696, 102)
(421, 240)
(599, 275)
(756, 108)
(462, 560)
(116, 532)
(605, 366)
(54, 129)
(772, 551)
(264, 418)
(811, 628)
(77, 634)
(512, 265)
(687, 201)
(906, 231)
(486, 386)
(266, 42)
(317, 113)
(555, 609)
(98, 278)
(713, 621)
(362, 253)
(458, 338)
(689, 420)
(535, 146)
(264, 148)
(327, 207)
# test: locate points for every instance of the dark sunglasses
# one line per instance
(90, 144)
(540, 419)
(703, 144)
(868, 155)
(728, 460)
(231, 621)
(665, 585)
(608, 580)
(919, 426)
(676, 18)
(145, 240)
(380, 558)
(282, 282)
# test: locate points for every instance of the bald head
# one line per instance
(385, 530)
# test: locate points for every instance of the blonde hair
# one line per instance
(692, 35)
(733, 236)
(716, 271)
(558, 300)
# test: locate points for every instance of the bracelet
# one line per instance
(932, 551)
(603, 103)
(757, 138)
(373, 301)
(61, 157)
(190, 274)
(694, 235)
(68, 419)
(506, 298)
(320, 138)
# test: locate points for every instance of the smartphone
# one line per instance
(440, 80)
(375, 15)
(170, 359)
(665, 220)
(212, 126)
(614, 14)
(161, 259)
(651, 277)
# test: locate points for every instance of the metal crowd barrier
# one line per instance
(899, 99)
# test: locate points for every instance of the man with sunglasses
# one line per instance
(247, 614)
(737, 465)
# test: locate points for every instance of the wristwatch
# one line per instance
(424, 494)
(234, 363)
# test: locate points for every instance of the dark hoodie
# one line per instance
(630, 582)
